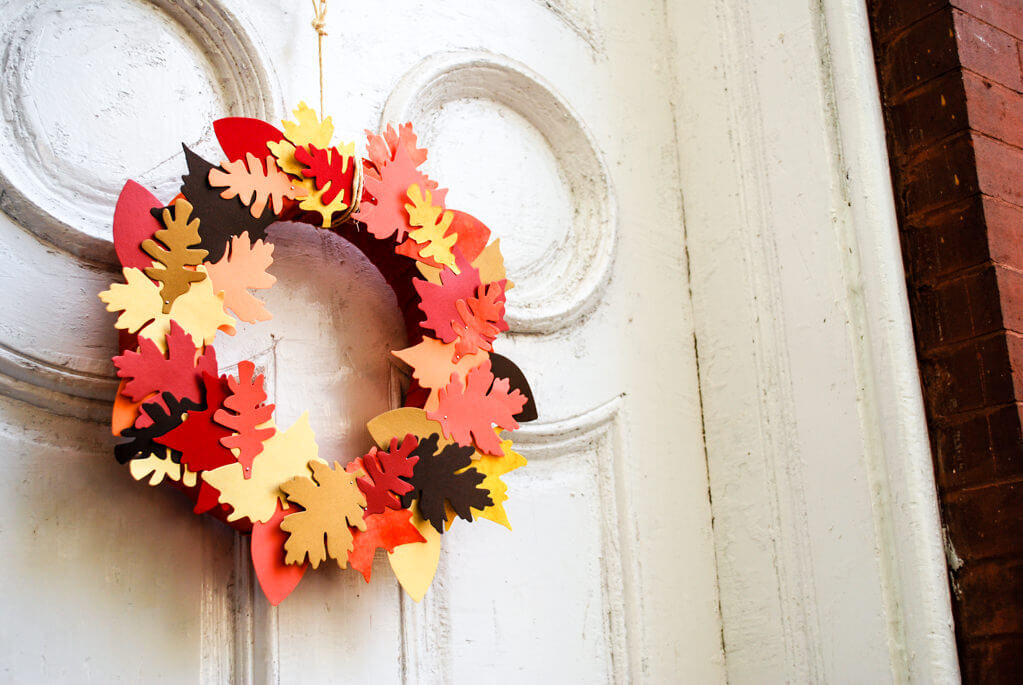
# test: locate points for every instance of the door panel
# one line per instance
(549, 121)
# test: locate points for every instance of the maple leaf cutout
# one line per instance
(198, 437)
(331, 169)
(179, 373)
(481, 319)
(307, 129)
(432, 227)
(138, 299)
(443, 476)
(380, 149)
(286, 455)
(474, 410)
(385, 471)
(243, 268)
(254, 185)
(492, 468)
(244, 412)
(386, 530)
(176, 253)
(388, 187)
(433, 362)
(332, 502)
(438, 302)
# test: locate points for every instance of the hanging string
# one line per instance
(320, 26)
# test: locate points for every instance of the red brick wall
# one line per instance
(951, 76)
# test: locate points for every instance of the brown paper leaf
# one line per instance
(176, 253)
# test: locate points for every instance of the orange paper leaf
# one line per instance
(244, 267)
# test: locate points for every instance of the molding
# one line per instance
(72, 214)
(582, 266)
(581, 19)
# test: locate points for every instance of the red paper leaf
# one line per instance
(133, 223)
(207, 498)
(275, 577)
(198, 438)
(244, 411)
(385, 470)
(328, 166)
(241, 135)
(179, 373)
(438, 302)
(386, 530)
(389, 192)
(475, 410)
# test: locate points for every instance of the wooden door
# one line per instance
(548, 121)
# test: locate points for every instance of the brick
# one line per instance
(992, 661)
(925, 51)
(946, 173)
(983, 523)
(1005, 14)
(976, 449)
(994, 110)
(1010, 296)
(967, 377)
(960, 308)
(992, 592)
(888, 16)
(986, 50)
(929, 113)
(1004, 231)
(943, 242)
(998, 169)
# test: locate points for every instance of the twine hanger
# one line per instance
(320, 26)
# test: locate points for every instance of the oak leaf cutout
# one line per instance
(431, 224)
(469, 413)
(243, 268)
(255, 182)
(443, 477)
(286, 455)
(481, 319)
(385, 470)
(333, 503)
(332, 170)
(176, 253)
(148, 372)
(380, 149)
(245, 413)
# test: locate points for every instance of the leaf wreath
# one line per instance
(178, 237)
(143, 440)
(443, 476)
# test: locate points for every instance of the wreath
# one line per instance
(188, 271)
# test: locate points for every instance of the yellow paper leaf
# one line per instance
(490, 264)
(331, 502)
(432, 366)
(284, 456)
(160, 467)
(313, 201)
(432, 225)
(398, 423)
(138, 300)
(493, 467)
(199, 312)
(306, 129)
(415, 563)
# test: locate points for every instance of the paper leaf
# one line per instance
(305, 130)
(399, 422)
(240, 135)
(314, 202)
(198, 437)
(431, 226)
(160, 466)
(285, 456)
(438, 302)
(332, 502)
(332, 170)
(415, 564)
(163, 418)
(381, 148)
(386, 214)
(472, 236)
(474, 409)
(179, 373)
(175, 254)
(254, 185)
(133, 224)
(502, 367)
(124, 412)
(441, 476)
(244, 268)
(244, 412)
(276, 578)
(433, 364)
(492, 468)
(385, 471)
(480, 319)
(138, 300)
(386, 530)
(219, 219)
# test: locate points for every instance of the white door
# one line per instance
(549, 122)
